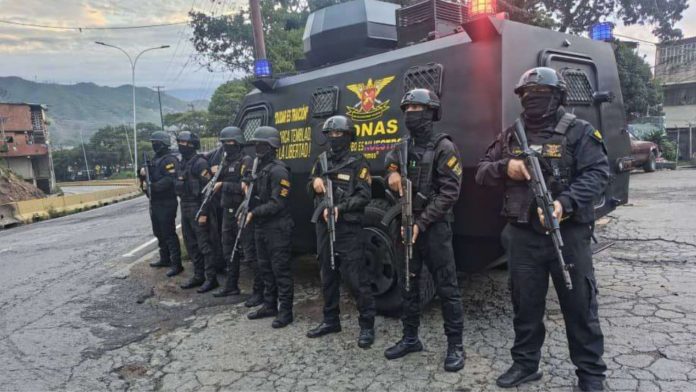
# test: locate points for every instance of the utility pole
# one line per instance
(159, 98)
(257, 27)
(89, 178)
(691, 142)
(193, 108)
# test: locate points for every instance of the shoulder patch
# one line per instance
(284, 192)
(597, 135)
(452, 161)
(364, 173)
(285, 183)
(169, 166)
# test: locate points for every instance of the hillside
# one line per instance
(86, 106)
(13, 188)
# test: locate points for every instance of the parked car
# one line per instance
(644, 153)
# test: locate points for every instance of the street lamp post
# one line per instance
(135, 124)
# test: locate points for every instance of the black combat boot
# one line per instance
(175, 270)
(159, 264)
(284, 318)
(408, 344)
(262, 312)
(231, 288)
(254, 300)
(195, 281)
(586, 385)
(208, 285)
(454, 360)
(324, 329)
(516, 375)
(366, 337)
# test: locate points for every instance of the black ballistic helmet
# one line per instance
(161, 137)
(425, 97)
(186, 136)
(542, 76)
(266, 134)
(232, 133)
(340, 124)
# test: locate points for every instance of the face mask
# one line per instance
(418, 122)
(232, 150)
(539, 105)
(263, 150)
(340, 144)
(186, 151)
(159, 147)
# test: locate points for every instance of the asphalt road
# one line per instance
(77, 315)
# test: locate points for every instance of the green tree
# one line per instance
(193, 121)
(225, 102)
(638, 87)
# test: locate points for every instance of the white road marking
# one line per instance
(145, 245)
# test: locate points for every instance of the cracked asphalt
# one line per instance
(77, 315)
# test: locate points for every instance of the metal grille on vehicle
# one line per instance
(324, 101)
(251, 123)
(579, 88)
(424, 76)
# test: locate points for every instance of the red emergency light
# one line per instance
(482, 7)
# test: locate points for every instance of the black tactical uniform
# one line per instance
(574, 162)
(434, 168)
(193, 177)
(236, 167)
(350, 177)
(215, 213)
(272, 228)
(163, 204)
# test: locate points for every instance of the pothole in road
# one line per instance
(131, 371)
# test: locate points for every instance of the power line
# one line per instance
(80, 28)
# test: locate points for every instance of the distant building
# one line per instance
(24, 143)
(675, 69)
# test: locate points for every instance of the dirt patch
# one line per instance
(13, 188)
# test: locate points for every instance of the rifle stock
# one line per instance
(243, 209)
(210, 186)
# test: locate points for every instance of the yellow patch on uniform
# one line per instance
(516, 151)
(457, 170)
(364, 173)
(242, 169)
(552, 151)
(169, 166)
(284, 192)
(451, 162)
(285, 182)
(343, 177)
(205, 173)
(597, 134)
(393, 167)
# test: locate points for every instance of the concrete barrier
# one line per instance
(125, 182)
(38, 209)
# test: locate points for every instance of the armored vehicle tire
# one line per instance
(381, 258)
(651, 165)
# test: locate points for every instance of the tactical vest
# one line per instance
(233, 173)
(557, 164)
(158, 171)
(343, 177)
(264, 189)
(189, 189)
(420, 170)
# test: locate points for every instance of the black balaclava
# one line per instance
(540, 108)
(419, 125)
(186, 151)
(232, 150)
(159, 148)
(340, 145)
(265, 152)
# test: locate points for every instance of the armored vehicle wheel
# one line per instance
(381, 258)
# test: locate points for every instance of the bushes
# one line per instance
(666, 146)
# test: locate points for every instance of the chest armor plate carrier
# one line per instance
(233, 173)
(190, 188)
(421, 161)
(557, 164)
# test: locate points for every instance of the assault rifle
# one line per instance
(208, 190)
(543, 199)
(406, 202)
(243, 209)
(148, 189)
(329, 205)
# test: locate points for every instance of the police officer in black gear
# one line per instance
(350, 177)
(214, 210)
(193, 177)
(573, 158)
(163, 170)
(435, 169)
(236, 167)
(272, 228)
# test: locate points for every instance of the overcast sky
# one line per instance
(69, 56)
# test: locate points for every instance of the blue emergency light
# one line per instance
(262, 68)
(602, 31)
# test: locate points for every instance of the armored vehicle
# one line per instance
(362, 56)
